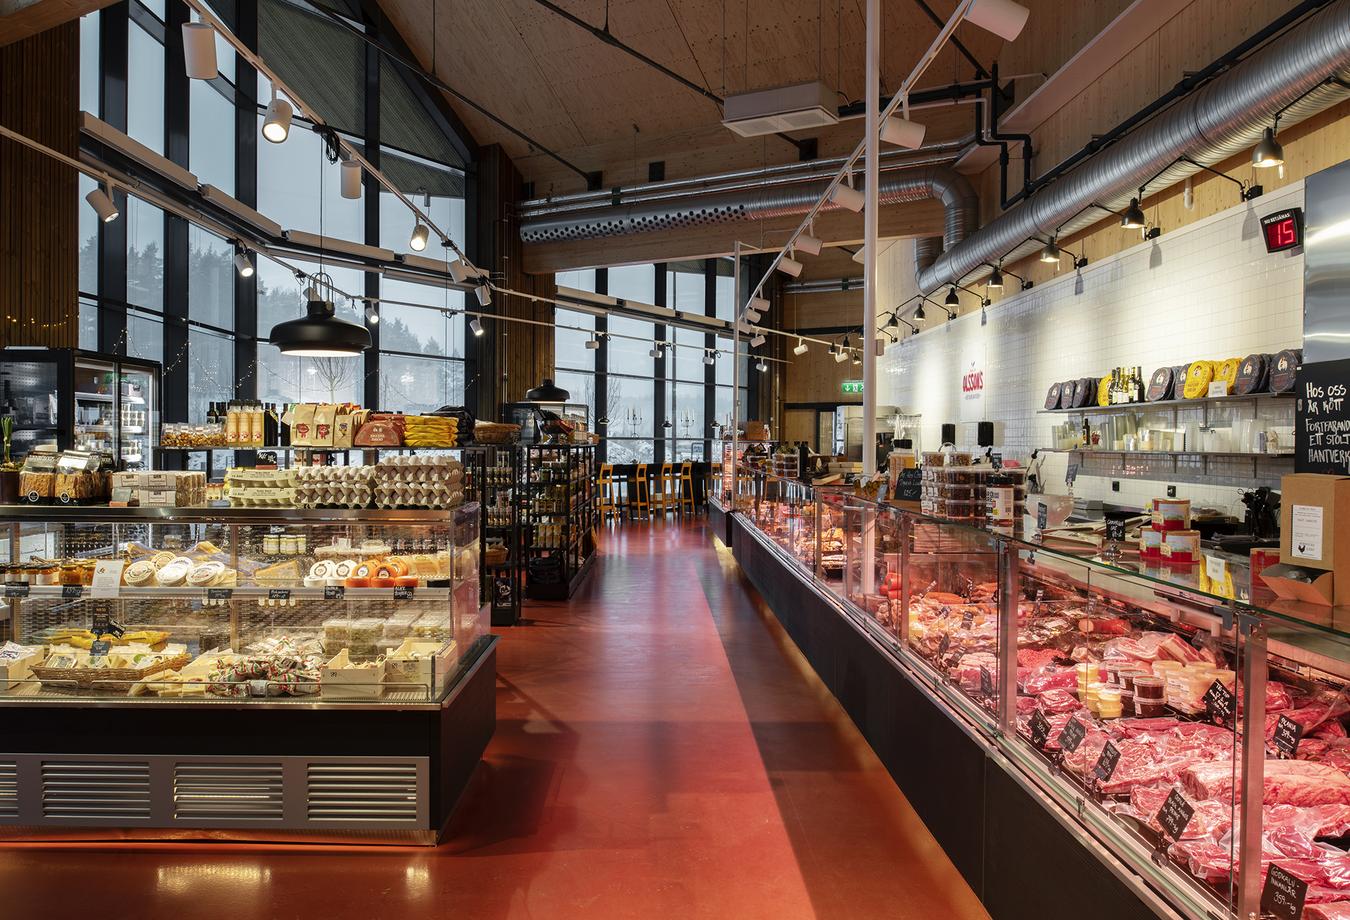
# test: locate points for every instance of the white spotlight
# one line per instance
(759, 304)
(655, 352)
(846, 196)
(100, 199)
(902, 132)
(757, 341)
(351, 179)
(484, 295)
(789, 266)
(801, 348)
(459, 271)
(241, 262)
(761, 366)
(592, 343)
(840, 356)
(1002, 17)
(199, 51)
(753, 316)
(808, 244)
(1188, 195)
(277, 119)
(372, 315)
(418, 241)
(710, 357)
(475, 326)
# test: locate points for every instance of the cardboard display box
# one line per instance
(1314, 534)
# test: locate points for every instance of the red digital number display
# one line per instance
(1283, 230)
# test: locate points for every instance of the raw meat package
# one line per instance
(1155, 646)
(1336, 910)
(1287, 782)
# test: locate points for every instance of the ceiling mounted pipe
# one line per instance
(1218, 121)
(926, 251)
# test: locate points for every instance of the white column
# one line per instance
(735, 371)
(870, 153)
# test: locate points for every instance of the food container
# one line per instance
(1171, 513)
(1148, 687)
(1181, 547)
(1150, 543)
(1149, 709)
(1164, 670)
(1127, 703)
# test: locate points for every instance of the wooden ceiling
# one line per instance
(607, 111)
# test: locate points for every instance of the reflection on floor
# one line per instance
(662, 751)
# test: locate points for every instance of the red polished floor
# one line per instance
(661, 751)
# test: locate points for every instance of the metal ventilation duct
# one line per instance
(1216, 122)
(926, 251)
(748, 195)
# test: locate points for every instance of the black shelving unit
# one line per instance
(559, 517)
(494, 482)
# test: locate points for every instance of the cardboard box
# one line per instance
(1315, 526)
(1321, 590)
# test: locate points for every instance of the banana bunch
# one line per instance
(430, 431)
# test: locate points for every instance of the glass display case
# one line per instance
(559, 515)
(1190, 725)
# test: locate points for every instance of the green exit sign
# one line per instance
(851, 386)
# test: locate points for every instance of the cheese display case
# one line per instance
(273, 671)
(1175, 721)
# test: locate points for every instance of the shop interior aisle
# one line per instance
(662, 751)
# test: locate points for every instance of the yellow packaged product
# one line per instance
(1226, 371)
(1198, 379)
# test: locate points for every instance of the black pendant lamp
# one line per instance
(319, 333)
(546, 392)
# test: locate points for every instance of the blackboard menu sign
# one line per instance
(1283, 894)
(1219, 704)
(908, 485)
(1115, 531)
(1287, 736)
(1106, 763)
(1072, 736)
(1175, 814)
(1322, 418)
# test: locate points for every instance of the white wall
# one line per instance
(1208, 290)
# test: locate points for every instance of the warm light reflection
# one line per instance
(189, 878)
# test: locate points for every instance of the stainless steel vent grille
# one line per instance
(356, 792)
(105, 790)
(9, 789)
(242, 792)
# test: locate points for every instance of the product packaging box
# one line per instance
(1314, 534)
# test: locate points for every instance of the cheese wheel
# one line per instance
(1160, 385)
(1227, 372)
(357, 582)
(1052, 397)
(1198, 378)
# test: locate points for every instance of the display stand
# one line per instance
(559, 517)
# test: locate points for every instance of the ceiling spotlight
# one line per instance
(372, 315)
(1002, 17)
(476, 326)
(418, 241)
(1133, 218)
(918, 312)
(953, 299)
(984, 317)
(811, 245)
(199, 51)
(801, 348)
(1268, 151)
(789, 266)
(710, 357)
(761, 366)
(759, 304)
(1051, 252)
(655, 351)
(592, 343)
(753, 316)
(893, 320)
(757, 341)
(857, 358)
(351, 178)
(277, 118)
(840, 356)
(902, 132)
(995, 282)
(100, 199)
(846, 196)
(242, 262)
(459, 271)
(484, 295)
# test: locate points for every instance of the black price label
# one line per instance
(1283, 894)
(1175, 814)
(219, 594)
(105, 625)
(334, 592)
(403, 593)
(16, 590)
(1115, 531)
(967, 619)
(1040, 729)
(986, 683)
(72, 592)
(1042, 516)
(1071, 474)
(99, 648)
(996, 461)
(278, 594)
(944, 643)
(1288, 733)
(1106, 763)
(1219, 703)
(1072, 736)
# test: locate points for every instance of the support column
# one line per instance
(871, 152)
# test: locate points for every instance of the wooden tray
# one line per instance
(85, 678)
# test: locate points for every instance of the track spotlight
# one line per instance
(710, 357)
(857, 357)
(902, 132)
(807, 243)
(846, 196)
(1051, 252)
(762, 366)
(1002, 17)
(1188, 195)
(459, 271)
(953, 299)
(801, 348)
(476, 326)
(277, 119)
(372, 315)
(789, 266)
(893, 320)
(418, 241)
(984, 317)
(995, 282)
(753, 316)
(100, 199)
(655, 351)
(1133, 218)
(757, 341)
(199, 51)
(242, 262)
(1268, 151)
(759, 304)
(592, 343)
(840, 356)
(351, 179)
(484, 295)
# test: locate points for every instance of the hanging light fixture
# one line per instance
(808, 242)
(709, 356)
(918, 312)
(758, 304)
(762, 366)
(459, 271)
(757, 341)
(655, 351)
(1051, 252)
(952, 299)
(277, 119)
(788, 265)
(841, 352)
(351, 178)
(1002, 17)
(593, 343)
(100, 199)
(995, 282)
(857, 358)
(753, 316)
(801, 348)
(199, 51)
(372, 314)
(319, 333)
(484, 295)
(476, 326)
(1133, 218)
(1268, 151)
(547, 392)
(846, 196)
(421, 232)
(902, 132)
(242, 261)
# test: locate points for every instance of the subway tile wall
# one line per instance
(1209, 290)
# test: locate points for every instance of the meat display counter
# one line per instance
(1175, 722)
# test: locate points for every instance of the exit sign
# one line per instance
(851, 386)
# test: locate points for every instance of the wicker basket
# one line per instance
(85, 678)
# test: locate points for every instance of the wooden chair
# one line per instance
(609, 507)
(639, 504)
(663, 496)
(685, 501)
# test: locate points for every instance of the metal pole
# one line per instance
(870, 208)
(1251, 771)
(735, 373)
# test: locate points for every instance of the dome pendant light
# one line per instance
(199, 51)
(952, 299)
(547, 392)
(277, 119)
(1133, 218)
(918, 312)
(995, 282)
(319, 333)
(1050, 254)
(1268, 152)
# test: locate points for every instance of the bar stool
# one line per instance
(608, 493)
(685, 502)
(663, 496)
(638, 502)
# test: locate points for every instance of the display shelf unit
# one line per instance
(1200, 402)
(495, 485)
(559, 516)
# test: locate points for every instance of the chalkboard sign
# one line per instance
(504, 589)
(278, 594)
(1071, 475)
(967, 619)
(1287, 735)
(1322, 418)
(1072, 736)
(1175, 814)
(996, 461)
(1040, 729)
(72, 592)
(219, 594)
(1283, 894)
(1106, 763)
(403, 592)
(1219, 704)
(104, 625)
(909, 485)
(944, 643)
(17, 589)
(1115, 531)
(334, 592)
(1042, 516)
(100, 647)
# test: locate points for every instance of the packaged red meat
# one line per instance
(1211, 819)
(1205, 859)
(1312, 717)
(1051, 679)
(1058, 701)
(1106, 626)
(1287, 782)
(1026, 705)
(1334, 910)
(1155, 646)
(1035, 658)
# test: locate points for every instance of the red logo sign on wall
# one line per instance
(972, 382)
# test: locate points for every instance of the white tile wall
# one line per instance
(1208, 290)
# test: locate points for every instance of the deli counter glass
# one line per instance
(1190, 725)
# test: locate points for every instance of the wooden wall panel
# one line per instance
(39, 97)
(21, 18)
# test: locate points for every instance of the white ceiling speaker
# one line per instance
(789, 266)
(351, 179)
(277, 119)
(846, 196)
(199, 51)
(100, 199)
(903, 133)
(1002, 17)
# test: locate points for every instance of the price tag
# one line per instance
(1287, 735)
(72, 592)
(1175, 814)
(1283, 894)
(219, 594)
(986, 683)
(944, 643)
(996, 461)
(403, 593)
(16, 590)
(1106, 763)
(1040, 729)
(99, 648)
(1216, 569)
(1042, 516)
(278, 594)
(1216, 389)
(1071, 475)
(1072, 736)
(1219, 702)
(1115, 531)
(334, 592)
(967, 619)
(107, 581)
